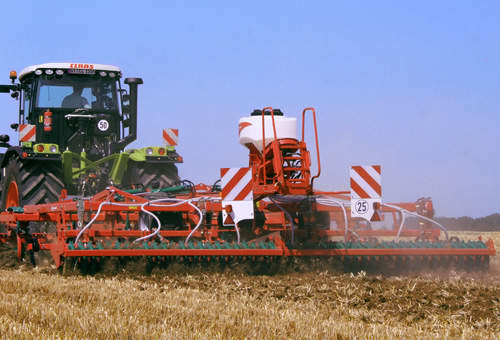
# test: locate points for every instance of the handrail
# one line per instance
(316, 137)
(264, 143)
(270, 109)
(267, 108)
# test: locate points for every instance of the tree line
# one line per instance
(487, 223)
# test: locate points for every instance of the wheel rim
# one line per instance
(12, 195)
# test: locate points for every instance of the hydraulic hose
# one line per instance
(97, 215)
(328, 201)
(404, 211)
(179, 202)
(157, 220)
(287, 215)
(199, 223)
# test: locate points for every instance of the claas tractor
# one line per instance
(75, 121)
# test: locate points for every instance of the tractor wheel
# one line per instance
(151, 175)
(31, 182)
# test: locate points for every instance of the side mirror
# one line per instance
(14, 126)
(131, 111)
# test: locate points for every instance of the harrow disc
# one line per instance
(112, 257)
(403, 256)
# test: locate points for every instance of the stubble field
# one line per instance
(310, 304)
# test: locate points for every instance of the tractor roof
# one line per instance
(69, 66)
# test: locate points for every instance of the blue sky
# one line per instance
(413, 86)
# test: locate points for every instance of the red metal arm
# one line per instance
(270, 109)
(316, 137)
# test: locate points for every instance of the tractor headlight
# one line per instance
(102, 74)
(111, 74)
(38, 72)
(49, 72)
(59, 72)
(149, 151)
(53, 148)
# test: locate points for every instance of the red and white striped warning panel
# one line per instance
(236, 184)
(171, 137)
(366, 181)
(27, 133)
(237, 195)
(366, 192)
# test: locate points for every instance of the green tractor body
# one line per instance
(75, 121)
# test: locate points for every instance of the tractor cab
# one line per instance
(76, 107)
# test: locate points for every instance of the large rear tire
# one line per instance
(151, 175)
(31, 182)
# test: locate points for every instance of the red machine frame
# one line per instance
(281, 170)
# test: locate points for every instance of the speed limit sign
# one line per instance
(103, 125)
(361, 207)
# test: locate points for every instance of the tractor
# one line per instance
(75, 120)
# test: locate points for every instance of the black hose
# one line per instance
(215, 187)
(189, 185)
